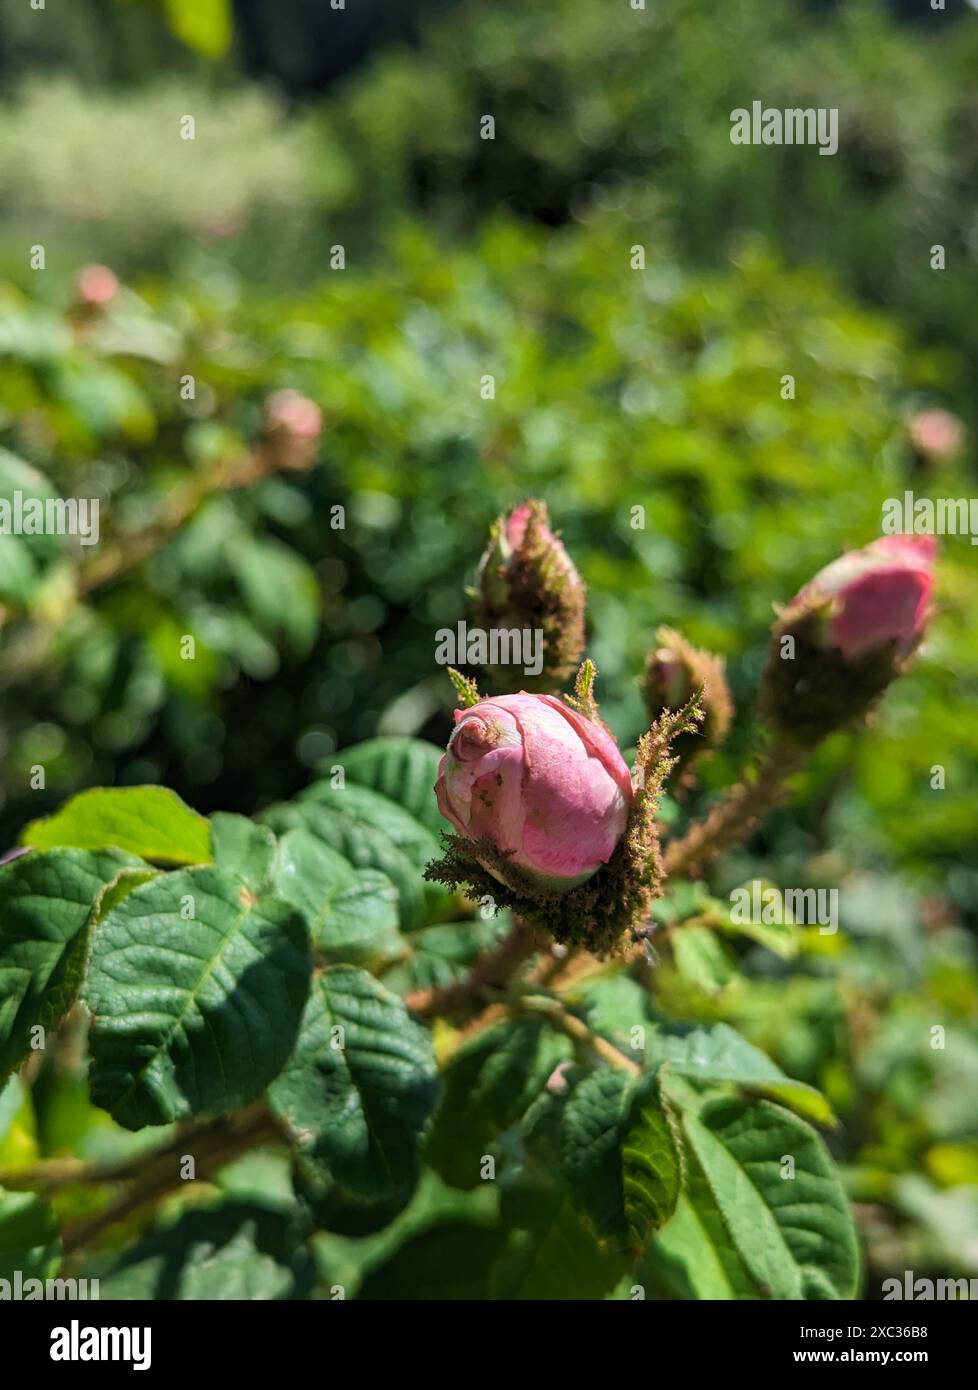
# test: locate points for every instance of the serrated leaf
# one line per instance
(151, 822)
(363, 806)
(193, 1016)
(693, 1256)
(789, 1221)
(45, 902)
(352, 914)
(719, 1054)
(29, 1239)
(651, 1162)
(364, 846)
(237, 1251)
(403, 769)
(244, 849)
(358, 1092)
(590, 1147)
(490, 1083)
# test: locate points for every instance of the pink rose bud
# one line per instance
(847, 634)
(291, 427)
(527, 581)
(96, 285)
(546, 786)
(936, 435)
(876, 595)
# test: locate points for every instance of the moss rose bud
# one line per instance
(847, 633)
(543, 784)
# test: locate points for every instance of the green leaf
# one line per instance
(782, 938)
(557, 1257)
(364, 846)
(149, 821)
(403, 769)
(443, 954)
(452, 1261)
(237, 1251)
(279, 588)
(362, 806)
(652, 1163)
(193, 1015)
(693, 1256)
(590, 1133)
(243, 849)
(45, 903)
(352, 914)
(702, 959)
(29, 1239)
(779, 1195)
(358, 1092)
(490, 1083)
(720, 1054)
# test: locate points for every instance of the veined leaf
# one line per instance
(590, 1134)
(693, 1255)
(651, 1161)
(243, 849)
(779, 1195)
(403, 769)
(365, 807)
(720, 1054)
(360, 1087)
(490, 1083)
(352, 914)
(149, 821)
(237, 1251)
(197, 991)
(364, 846)
(45, 903)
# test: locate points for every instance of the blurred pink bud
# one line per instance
(557, 1083)
(96, 285)
(877, 595)
(937, 434)
(545, 785)
(292, 425)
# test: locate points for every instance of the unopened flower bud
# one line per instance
(936, 436)
(676, 672)
(546, 787)
(291, 428)
(846, 634)
(528, 582)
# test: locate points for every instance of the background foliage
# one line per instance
(614, 388)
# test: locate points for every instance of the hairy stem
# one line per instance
(737, 813)
(492, 971)
(211, 1144)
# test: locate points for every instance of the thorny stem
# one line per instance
(211, 1144)
(119, 557)
(492, 971)
(737, 813)
(576, 1028)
